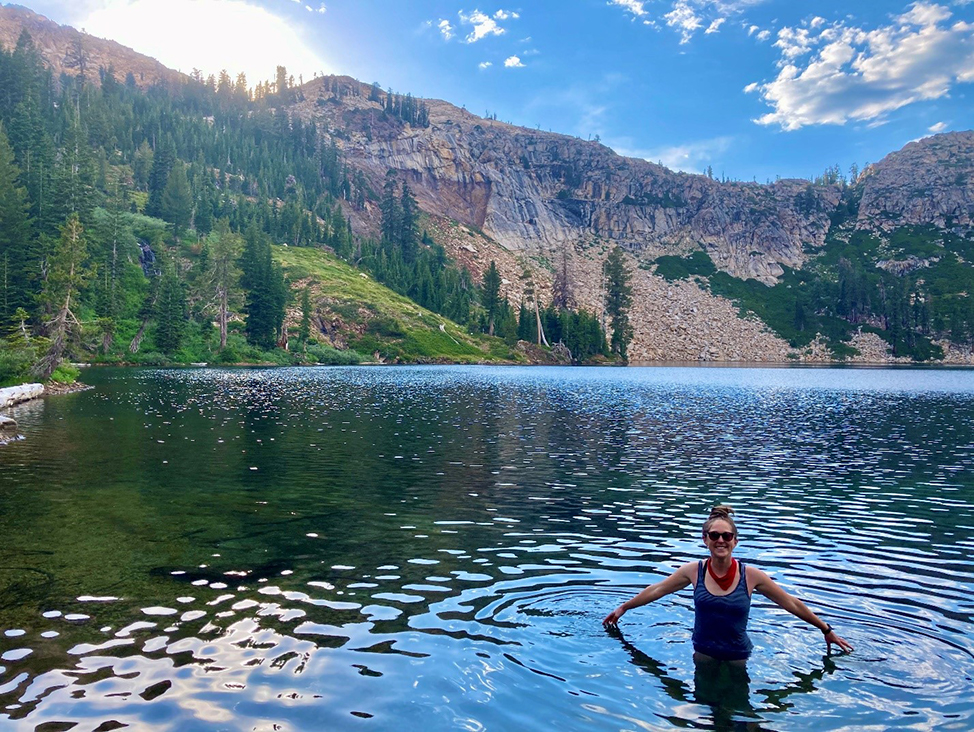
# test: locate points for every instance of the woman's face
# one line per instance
(725, 540)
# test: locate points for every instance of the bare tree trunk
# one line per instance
(537, 315)
(58, 330)
(137, 340)
(223, 319)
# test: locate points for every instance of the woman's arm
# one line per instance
(676, 581)
(771, 590)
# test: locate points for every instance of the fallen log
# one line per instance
(21, 393)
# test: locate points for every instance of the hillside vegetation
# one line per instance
(197, 220)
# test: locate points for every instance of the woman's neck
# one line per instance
(721, 564)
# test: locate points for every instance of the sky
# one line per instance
(752, 89)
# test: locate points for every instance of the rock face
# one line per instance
(537, 192)
(928, 182)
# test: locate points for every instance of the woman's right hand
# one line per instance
(612, 619)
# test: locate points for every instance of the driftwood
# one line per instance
(16, 394)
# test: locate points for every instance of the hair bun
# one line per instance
(721, 512)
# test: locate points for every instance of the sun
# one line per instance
(210, 35)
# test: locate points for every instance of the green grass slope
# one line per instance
(351, 310)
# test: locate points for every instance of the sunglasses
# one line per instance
(725, 535)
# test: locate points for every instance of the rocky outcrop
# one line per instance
(929, 182)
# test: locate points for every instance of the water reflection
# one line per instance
(436, 548)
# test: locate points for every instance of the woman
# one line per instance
(722, 589)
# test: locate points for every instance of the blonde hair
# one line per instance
(722, 513)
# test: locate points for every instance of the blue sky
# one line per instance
(753, 88)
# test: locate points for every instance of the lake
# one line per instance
(435, 548)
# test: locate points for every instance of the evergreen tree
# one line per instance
(266, 290)
(142, 165)
(408, 225)
(305, 331)
(618, 300)
(74, 173)
(219, 284)
(68, 274)
(163, 162)
(176, 205)
(391, 210)
(16, 266)
(490, 295)
(170, 312)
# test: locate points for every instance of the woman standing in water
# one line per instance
(722, 589)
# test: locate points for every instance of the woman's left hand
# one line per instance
(833, 637)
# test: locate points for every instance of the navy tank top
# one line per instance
(720, 621)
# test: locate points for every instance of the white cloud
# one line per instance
(321, 9)
(636, 7)
(446, 30)
(691, 157)
(689, 16)
(251, 40)
(835, 74)
(764, 35)
(485, 25)
(685, 19)
(939, 127)
(513, 62)
(484, 65)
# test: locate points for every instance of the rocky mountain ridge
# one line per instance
(527, 198)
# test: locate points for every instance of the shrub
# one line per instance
(15, 364)
(332, 356)
(65, 374)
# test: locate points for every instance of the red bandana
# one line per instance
(727, 580)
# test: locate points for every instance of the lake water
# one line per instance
(434, 548)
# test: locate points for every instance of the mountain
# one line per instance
(875, 268)
(539, 195)
(59, 46)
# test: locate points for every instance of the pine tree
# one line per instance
(176, 205)
(163, 161)
(67, 276)
(305, 331)
(170, 312)
(408, 225)
(391, 209)
(618, 300)
(266, 290)
(222, 275)
(15, 260)
(490, 295)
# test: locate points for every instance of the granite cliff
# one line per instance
(536, 192)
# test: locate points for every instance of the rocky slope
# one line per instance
(928, 182)
(56, 43)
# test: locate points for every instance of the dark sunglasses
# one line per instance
(725, 535)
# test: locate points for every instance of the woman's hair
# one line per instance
(722, 513)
